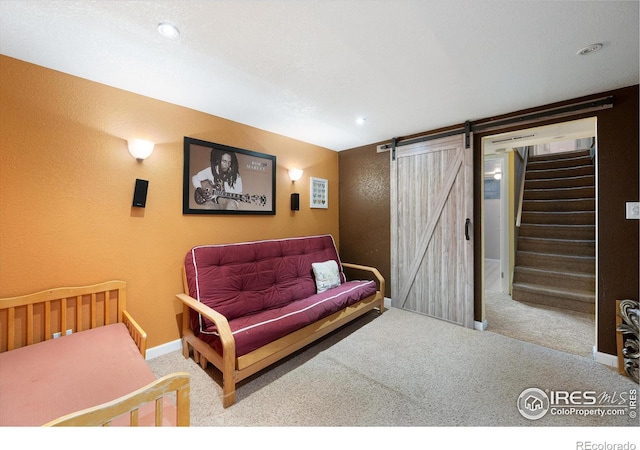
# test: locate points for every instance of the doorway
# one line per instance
(567, 331)
(496, 222)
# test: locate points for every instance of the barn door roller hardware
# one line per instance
(494, 125)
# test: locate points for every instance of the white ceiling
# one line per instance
(308, 68)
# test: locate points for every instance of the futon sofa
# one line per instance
(247, 305)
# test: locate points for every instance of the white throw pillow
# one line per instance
(327, 275)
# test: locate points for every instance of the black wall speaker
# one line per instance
(295, 202)
(140, 193)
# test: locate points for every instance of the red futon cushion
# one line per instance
(266, 289)
(241, 279)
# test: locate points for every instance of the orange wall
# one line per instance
(67, 180)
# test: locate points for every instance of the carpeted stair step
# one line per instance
(561, 263)
(560, 205)
(557, 183)
(555, 297)
(543, 162)
(562, 172)
(569, 247)
(561, 155)
(560, 193)
(567, 280)
(559, 218)
(558, 231)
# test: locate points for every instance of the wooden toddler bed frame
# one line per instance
(29, 326)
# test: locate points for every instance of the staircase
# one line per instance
(555, 258)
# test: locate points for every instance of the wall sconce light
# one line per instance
(295, 174)
(139, 148)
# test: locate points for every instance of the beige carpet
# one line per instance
(567, 331)
(401, 369)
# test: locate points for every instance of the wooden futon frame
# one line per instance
(35, 318)
(235, 369)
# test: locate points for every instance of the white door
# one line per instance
(432, 230)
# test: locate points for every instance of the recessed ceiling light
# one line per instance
(167, 29)
(361, 120)
(589, 49)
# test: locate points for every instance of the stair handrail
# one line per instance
(524, 176)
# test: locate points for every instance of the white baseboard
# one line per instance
(163, 349)
(605, 358)
(481, 326)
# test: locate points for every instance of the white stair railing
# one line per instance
(524, 175)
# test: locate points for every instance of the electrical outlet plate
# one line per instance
(633, 210)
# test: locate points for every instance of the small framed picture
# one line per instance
(319, 193)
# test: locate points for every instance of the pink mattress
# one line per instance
(44, 381)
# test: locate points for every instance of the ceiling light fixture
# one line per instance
(361, 120)
(589, 49)
(169, 30)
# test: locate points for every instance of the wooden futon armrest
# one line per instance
(224, 331)
(102, 415)
(373, 270)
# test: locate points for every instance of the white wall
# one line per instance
(492, 228)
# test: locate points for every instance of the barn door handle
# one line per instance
(466, 228)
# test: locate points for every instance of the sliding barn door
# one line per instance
(431, 229)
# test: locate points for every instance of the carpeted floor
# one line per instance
(402, 369)
(563, 330)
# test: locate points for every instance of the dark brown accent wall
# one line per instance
(365, 221)
(617, 183)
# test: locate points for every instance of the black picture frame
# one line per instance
(220, 179)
